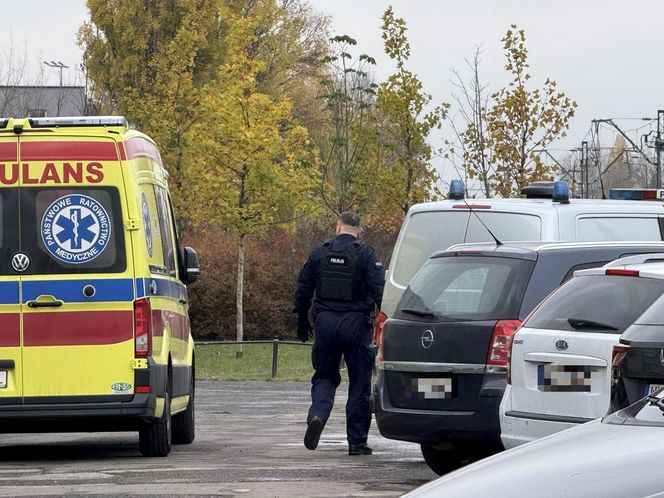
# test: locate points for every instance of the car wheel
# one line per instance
(184, 422)
(154, 439)
(441, 461)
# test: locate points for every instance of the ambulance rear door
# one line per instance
(77, 291)
(10, 323)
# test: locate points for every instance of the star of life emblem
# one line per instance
(75, 229)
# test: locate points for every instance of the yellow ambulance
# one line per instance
(94, 327)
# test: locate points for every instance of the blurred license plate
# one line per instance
(651, 388)
(3, 378)
(436, 388)
(564, 378)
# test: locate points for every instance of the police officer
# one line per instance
(346, 280)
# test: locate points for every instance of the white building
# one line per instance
(42, 101)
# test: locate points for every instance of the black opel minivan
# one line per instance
(443, 357)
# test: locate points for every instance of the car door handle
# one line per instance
(45, 301)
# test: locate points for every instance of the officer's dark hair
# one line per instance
(350, 219)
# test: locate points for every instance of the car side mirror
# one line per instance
(192, 269)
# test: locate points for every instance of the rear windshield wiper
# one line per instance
(413, 311)
(656, 401)
(583, 324)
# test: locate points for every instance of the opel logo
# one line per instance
(20, 262)
(561, 345)
(427, 339)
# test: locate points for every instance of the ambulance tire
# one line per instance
(184, 422)
(154, 439)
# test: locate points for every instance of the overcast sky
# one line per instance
(606, 54)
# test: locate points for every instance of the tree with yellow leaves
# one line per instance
(256, 167)
(148, 61)
(522, 121)
(404, 120)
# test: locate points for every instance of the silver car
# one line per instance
(619, 456)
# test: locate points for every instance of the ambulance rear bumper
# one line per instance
(76, 413)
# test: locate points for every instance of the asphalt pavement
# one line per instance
(248, 444)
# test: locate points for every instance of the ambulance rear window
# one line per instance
(76, 230)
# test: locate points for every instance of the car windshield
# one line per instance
(467, 288)
(433, 231)
(596, 303)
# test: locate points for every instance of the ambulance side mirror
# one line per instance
(192, 269)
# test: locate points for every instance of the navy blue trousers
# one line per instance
(347, 333)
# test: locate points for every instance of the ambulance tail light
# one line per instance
(501, 344)
(142, 328)
(379, 327)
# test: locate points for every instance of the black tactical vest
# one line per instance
(340, 276)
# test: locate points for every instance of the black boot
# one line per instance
(359, 449)
(314, 428)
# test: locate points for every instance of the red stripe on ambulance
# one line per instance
(8, 151)
(68, 151)
(10, 330)
(77, 328)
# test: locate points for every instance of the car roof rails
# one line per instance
(636, 259)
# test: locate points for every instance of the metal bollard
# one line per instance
(275, 353)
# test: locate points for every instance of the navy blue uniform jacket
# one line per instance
(373, 270)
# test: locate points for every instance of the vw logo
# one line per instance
(561, 345)
(20, 262)
(427, 339)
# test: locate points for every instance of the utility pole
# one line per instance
(585, 184)
(658, 149)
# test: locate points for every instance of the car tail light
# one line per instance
(618, 355)
(622, 272)
(501, 343)
(142, 327)
(379, 326)
(509, 359)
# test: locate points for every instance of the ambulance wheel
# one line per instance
(184, 422)
(154, 439)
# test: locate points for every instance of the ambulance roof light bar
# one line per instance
(636, 194)
(78, 121)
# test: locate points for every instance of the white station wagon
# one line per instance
(560, 370)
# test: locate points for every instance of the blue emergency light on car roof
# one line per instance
(636, 194)
(560, 192)
(457, 190)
